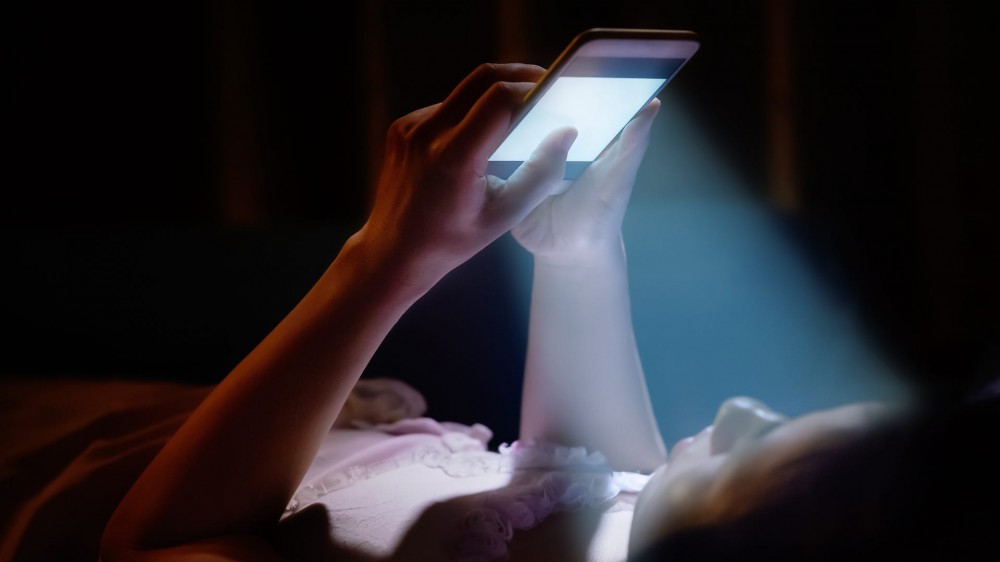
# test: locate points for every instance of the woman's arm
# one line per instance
(223, 481)
(584, 383)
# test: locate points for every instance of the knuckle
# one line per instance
(410, 131)
(487, 71)
(399, 130)
(504, 91)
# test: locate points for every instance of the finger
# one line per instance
(612, 175)
(534, 180)
(404, 126)
(462, 99)
(638, 129)
(483, 128)
(630, 147)
(563, 187)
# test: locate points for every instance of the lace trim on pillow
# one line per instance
(564, 479)
(460, 451)
(556, 478)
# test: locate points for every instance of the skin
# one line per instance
(582, 356)
(703, 484)
(435, 208)
(261, 426)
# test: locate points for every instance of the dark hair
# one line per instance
(901, 151)
(921, 490)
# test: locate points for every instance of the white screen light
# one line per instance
(596, 107)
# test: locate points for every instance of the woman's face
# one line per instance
(744, 444)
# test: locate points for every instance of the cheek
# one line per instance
(678, 487)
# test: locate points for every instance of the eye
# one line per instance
(742, 420)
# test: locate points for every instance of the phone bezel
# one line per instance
(685, 42)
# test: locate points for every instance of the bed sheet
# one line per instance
(71, 448)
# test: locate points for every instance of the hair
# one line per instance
(902, 193)
(915, 491)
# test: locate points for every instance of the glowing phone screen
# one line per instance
(596, 96)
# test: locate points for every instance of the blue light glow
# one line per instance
(724, 302)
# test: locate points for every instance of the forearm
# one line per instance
(233, 466)
(584, 383)
(230, 470)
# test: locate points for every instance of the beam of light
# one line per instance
(724, 302)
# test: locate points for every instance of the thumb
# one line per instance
(535, 179)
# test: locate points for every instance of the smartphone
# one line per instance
(602, 79)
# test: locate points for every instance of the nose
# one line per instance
(741, 420)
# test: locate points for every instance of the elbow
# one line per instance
(115, 545)
(119, 541)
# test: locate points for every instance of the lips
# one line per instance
(680, 446)
(697, 441)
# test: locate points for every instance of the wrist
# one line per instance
(603, 255)
(395, 276)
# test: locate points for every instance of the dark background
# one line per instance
(177, 175)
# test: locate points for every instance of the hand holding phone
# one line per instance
(581, 223)
(597, 85)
